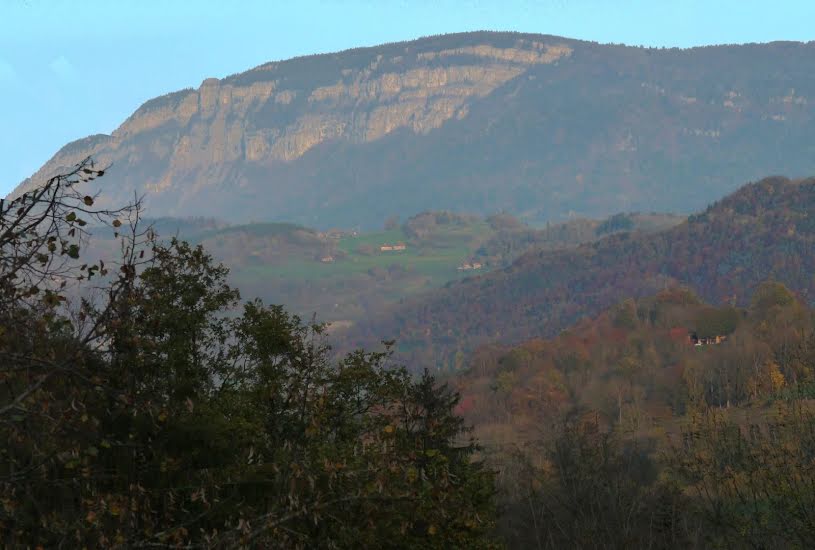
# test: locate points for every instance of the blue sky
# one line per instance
(71, 68)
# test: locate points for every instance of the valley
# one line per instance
(472, 290)
(762, 231)
(344, 276)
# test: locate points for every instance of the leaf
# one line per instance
(73, 251)
(70, 217)
(88, 200)
(116, 223)
(412, 474)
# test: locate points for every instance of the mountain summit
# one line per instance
(540, 126)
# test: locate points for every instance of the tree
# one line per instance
(593, 490)
(159, 412)
(752, 483)
(392, 222)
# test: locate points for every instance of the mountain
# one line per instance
(540, 126)
(765, 230)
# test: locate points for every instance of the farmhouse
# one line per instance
(390, 247)
(707, 340)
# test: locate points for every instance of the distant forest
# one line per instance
(145, 404)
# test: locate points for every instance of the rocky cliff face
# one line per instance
(260, 117)
(480, 121)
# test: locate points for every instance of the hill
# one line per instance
(345, 276)
(625, 419)
(764, 230)
(643, 362)
(542, 127)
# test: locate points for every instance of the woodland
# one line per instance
(763, 230)
(145, 403)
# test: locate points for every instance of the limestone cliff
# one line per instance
(537, 125)
(259, 117)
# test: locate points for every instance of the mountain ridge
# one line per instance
(537, 125)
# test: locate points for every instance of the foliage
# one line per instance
(585, 488)
(424, 224)
(753, 482)
(620, 433)
(635, 365)
(762, 231)
(157, 412)
(618, 222)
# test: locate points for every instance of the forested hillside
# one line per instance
(622, 432)
(144, 405)
(763, 230)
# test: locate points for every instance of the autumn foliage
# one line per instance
(148, 407)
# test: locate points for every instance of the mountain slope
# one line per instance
(764, 230)
(636, 364)
(537, 125)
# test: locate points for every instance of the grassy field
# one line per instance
(362, 277)
(280, 262)
(437, 258)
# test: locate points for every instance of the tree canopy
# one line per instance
(158, 410)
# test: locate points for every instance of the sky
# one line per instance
(72, 68)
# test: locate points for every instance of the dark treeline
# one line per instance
(160, 412)
(144, 405)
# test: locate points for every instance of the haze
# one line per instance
(70, 69)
